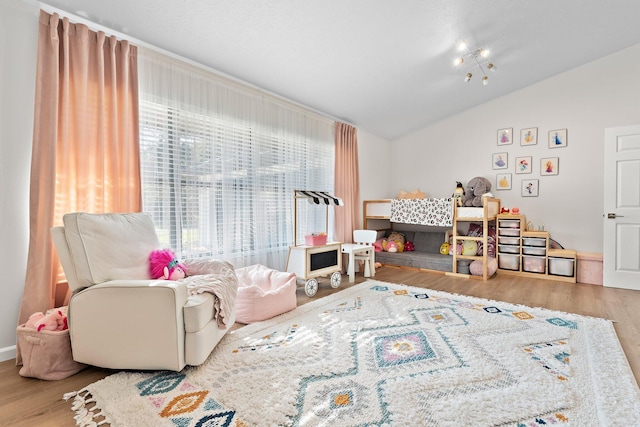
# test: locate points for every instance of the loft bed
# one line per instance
(486, 214)
(434, 212)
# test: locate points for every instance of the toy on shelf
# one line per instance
(469, 247)
(475, 268)
(513, 211)
(458, 193)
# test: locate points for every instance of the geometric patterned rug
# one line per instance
(382, 354)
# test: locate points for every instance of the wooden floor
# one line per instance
(32, 402)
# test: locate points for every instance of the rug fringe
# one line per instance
(85, 417)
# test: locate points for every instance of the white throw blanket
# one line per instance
(219, 279)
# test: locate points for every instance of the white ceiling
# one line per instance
(385, 66)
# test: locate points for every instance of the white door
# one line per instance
(621, 266)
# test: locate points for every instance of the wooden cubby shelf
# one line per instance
(527, 253)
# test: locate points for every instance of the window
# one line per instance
(220, 163)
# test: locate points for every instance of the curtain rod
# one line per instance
(111, 32)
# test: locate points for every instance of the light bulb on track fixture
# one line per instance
(468, 77)
(485, 80)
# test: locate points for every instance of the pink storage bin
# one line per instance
(315, 240)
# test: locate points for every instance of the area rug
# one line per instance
(382, 354)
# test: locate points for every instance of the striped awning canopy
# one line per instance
(319, 197)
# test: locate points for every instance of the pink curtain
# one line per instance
(347, 182)
(85, 142)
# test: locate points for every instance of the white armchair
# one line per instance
(118, 317)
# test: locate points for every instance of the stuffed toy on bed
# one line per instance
(474, 190)
(394, 243)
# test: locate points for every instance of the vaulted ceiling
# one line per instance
(385, 66)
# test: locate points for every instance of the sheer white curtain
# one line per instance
(220, 162)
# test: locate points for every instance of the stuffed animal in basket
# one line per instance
(474, 191)
(53, 321)
(163, 264)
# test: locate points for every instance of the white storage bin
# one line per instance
(509, 249)
(508, 240)
(533, 264)
(534, 241)
(533, 250)
(509, 262)
(509, 232)
(561, 266)
(509, 223)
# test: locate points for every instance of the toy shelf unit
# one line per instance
(527, 253)
(317, 257)
(486, 215)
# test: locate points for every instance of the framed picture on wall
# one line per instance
(500, 160)
(503, 181)
(505, 136)
(529, 136)
(557, 138)
(529, 188)
(523, 164)
(549, 166)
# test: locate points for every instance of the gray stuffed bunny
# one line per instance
(474, 191)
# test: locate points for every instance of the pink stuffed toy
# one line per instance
(33, 321)
(163, 264)
(54, 321)
(391, 246)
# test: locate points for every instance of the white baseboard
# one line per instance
(7, 353)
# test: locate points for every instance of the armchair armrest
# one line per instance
(144, 316)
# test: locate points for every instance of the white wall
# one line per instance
(585, 100)
(18, 43)
(373, 154)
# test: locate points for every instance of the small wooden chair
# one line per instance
(361, 250)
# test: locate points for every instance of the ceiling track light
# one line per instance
(477, 58)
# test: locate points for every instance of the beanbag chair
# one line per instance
(264, 293)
